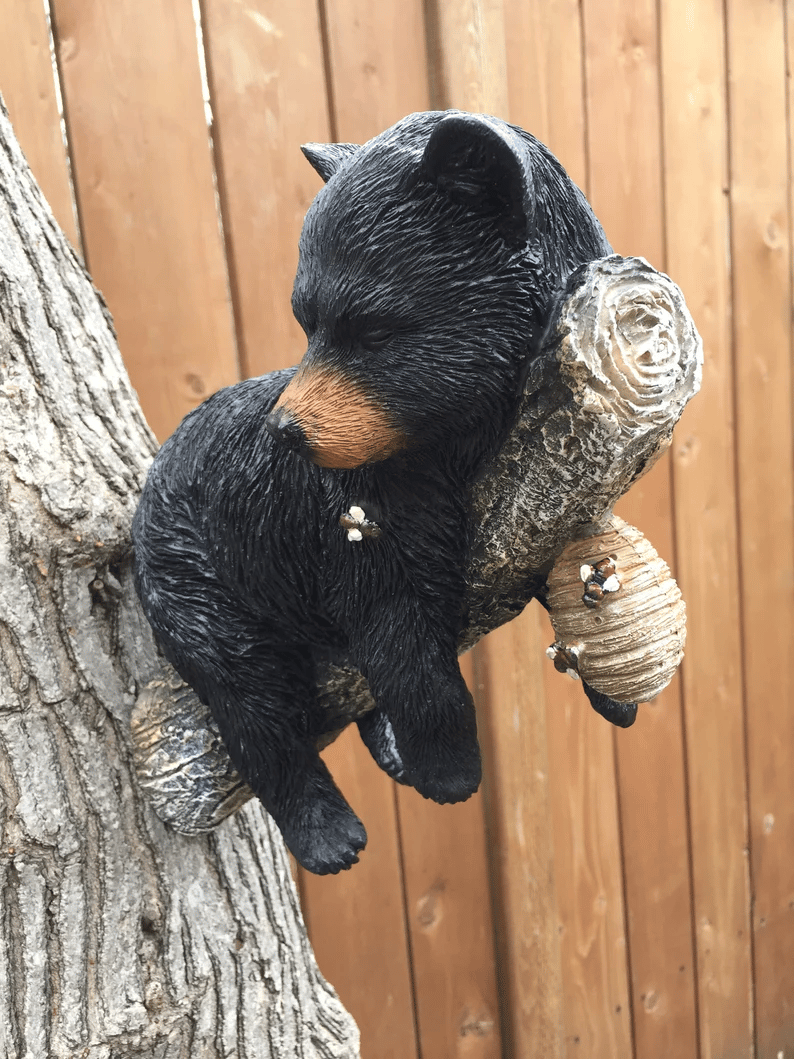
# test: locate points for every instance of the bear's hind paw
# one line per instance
(326, 839)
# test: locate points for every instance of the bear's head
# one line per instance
(428, 265)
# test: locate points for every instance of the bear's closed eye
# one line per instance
(377, 339)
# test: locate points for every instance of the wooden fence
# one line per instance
(613, 894)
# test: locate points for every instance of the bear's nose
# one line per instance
(287, 430)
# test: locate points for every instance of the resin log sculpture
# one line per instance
(620, 359)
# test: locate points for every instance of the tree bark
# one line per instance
(120, 937)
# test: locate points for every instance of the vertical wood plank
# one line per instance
(267, 82)
(377, 74)
(761, 257)
(597, 1018)
(144, 179)
(544, 73)
(545, 67)
(695, 137)
(27, 83)
(451, 927)
(467, 50)
(624, 123)
(513, 736)
(356, 920)
(448, 901)
(652, 790)
(378, 64)
(624, 115)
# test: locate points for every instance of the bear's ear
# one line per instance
(472, 161)
(326, 158)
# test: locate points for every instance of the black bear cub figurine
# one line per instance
(320, 514)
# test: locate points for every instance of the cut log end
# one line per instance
(619, 362)
(629, 350)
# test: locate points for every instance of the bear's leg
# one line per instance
(273, 748)
(262, 695)
(294, 784)
(411, 664)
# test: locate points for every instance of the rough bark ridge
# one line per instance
(119, 938)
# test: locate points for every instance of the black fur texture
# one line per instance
(428, 265)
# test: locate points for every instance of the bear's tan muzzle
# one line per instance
(331, 422)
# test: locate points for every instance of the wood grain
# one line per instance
(468, 57)
(695, 137)
(625, 164)
(356, 920)
(27, 82)
(145, 186)
(509, 688)
(265, 64)
(622, 85)
(449, 911)
(655, 836)
(377, 64)
(587, 868)
(760, 225)
(543, 42)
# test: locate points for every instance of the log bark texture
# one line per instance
(119, 937)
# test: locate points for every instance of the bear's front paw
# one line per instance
(325, 837)
(437, 743)
(450, 777)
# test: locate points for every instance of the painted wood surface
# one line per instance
(624, 105)
(144, 176)
(30, 91)
(610, 894)
(762, 321)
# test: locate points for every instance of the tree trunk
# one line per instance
(119, 936)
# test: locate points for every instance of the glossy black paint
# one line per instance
(428, 265)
